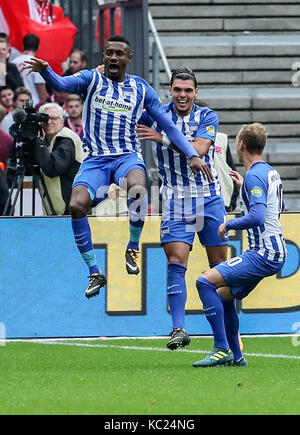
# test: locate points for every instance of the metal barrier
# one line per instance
(157, 52)
(132, 18)
(83, 14)
(96, 23)
(129, 18)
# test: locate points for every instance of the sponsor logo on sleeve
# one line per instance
(257, 191)
(211, 130)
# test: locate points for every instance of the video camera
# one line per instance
(27, 121)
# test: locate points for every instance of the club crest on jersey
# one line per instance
(127, 92)
(193, 125)
(257, 191)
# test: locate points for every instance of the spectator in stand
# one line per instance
(12, 51)
(78, 62)
(73, 119)
(48, 13)
(6, 145)
(20, 97)
(224, 164)
(9, 74)
(33, 82)
(55, 97)
(2, 113)
(59, 154)
(6, 98)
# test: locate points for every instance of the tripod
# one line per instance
(21, 168)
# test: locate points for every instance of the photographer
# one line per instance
(59, 155)
(6, 145)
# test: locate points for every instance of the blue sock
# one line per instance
(83, 240)
(176, 292)
(137, 212)
(232, 324)
(214, 311)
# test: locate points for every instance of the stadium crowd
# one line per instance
(17, 88)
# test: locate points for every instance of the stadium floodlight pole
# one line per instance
(159, 46)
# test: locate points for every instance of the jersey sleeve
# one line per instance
(175, 135)
(256, 188)
(208, 127)
(145, 119)
(152, 104)
(77, 83)
(255, 217)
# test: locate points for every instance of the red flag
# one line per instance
(56, 40)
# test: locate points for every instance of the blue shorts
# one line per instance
(182, 218)
(97, 173)
(242, 274)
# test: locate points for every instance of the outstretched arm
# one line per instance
(146, 133)
(254, 218)
(58, 83)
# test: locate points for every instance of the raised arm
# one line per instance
(174, 137)
(64, 84)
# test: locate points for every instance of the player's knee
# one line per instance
(80, 204)
(77, 210)
(177, 258)
(202, 283)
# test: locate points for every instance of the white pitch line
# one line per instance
(267, 355)
(154, 337)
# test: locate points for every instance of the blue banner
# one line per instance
(43, 279)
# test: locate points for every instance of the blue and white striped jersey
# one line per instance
(111, 111)
(262, 184)
(174, 170)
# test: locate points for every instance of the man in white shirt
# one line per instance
(33, 82)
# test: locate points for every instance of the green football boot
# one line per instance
(241, 363)
(217, 357)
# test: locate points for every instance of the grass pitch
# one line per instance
(142, 377)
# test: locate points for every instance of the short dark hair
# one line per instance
(254, 137)
(5, 88)
(184, 74)
(31, 42)
(83, 56)
(73, 97)
(21, 90)
(119, 38)
(4, 37)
